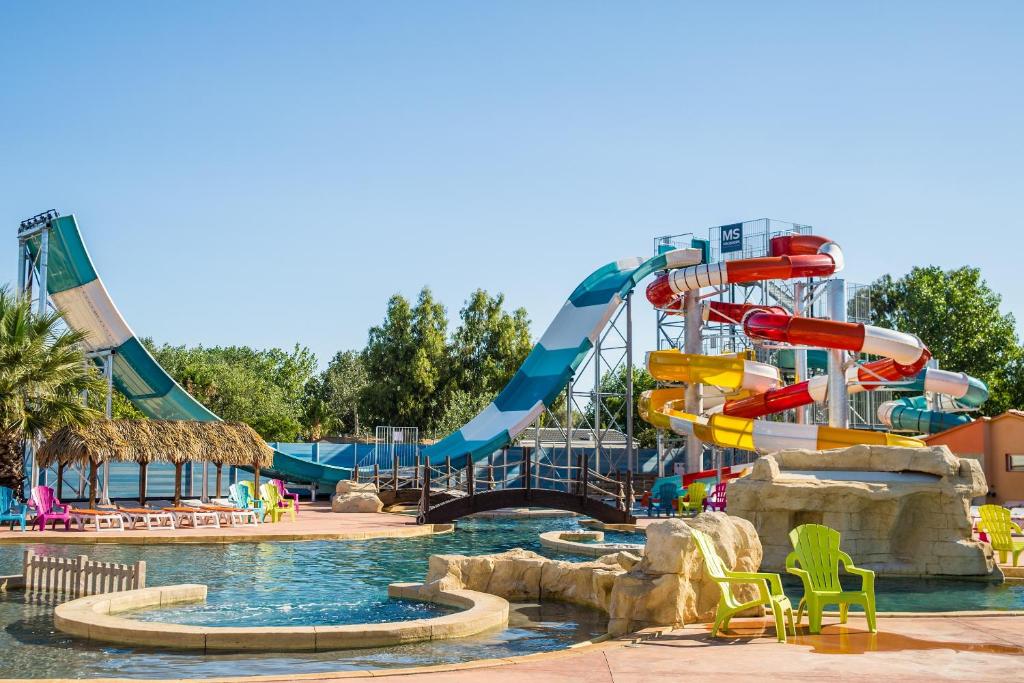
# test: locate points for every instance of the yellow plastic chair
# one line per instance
(997, 525)
(816, 550)
(769, 585)
(695, 493)
(274, 504)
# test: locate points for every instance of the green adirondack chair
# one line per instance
(769, 585)
(996, 523)
(695, 494)
(816, 551)
(275, 505)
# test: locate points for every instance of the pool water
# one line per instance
(284, 584)
(339, 582)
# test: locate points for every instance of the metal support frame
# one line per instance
(838, 394)
(803, 415)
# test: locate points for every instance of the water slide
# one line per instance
(78, 292)
(756, 387)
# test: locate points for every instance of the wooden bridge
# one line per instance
(445, 493)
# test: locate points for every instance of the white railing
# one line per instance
(79, 576)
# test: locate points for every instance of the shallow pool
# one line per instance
(282, 583)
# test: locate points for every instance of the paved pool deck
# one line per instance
(315, 522)
(910, 649)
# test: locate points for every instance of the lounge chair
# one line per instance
(48, 508)
(136, 514)
(716, 499)
(233, 516)
(998, 528)
(276, 506)
(112, 518)
(195, 517)
(11, 510)
(769, 585)
(285, 493)
(693, 500)
(816, 551)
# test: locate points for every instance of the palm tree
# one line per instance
(43, 374)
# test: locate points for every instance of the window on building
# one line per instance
(1014, 463)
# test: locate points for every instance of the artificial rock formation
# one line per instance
(907, 514)
(667, 587)
(351, 496)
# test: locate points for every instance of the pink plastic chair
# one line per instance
(716, 501)
(49, 508)
(285, 493)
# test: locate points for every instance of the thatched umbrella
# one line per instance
(146, 441)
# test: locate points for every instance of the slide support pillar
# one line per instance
(800, 355)
(692, 344)
(838, 394)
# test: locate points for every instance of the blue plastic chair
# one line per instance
(11, 510)
(666, 494)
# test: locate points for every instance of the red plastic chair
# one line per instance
(49, 508)
(716, 501)
(285, 493)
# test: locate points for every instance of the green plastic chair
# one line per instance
(816, 550)
(769, 585)
(276, 506)
(997, 525)
(695, 493)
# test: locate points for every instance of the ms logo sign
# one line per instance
(731, 238)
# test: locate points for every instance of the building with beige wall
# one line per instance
(999, 443)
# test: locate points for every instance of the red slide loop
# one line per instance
(793, 245)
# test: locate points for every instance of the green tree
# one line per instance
(488, 346)
(388, 354)
(264, 388)
(346, 378)
(461, 408)
(613, 412)
(318, 417)
(430, 361)
(42, 376)
(957, 316)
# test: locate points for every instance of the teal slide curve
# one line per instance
(78, 292)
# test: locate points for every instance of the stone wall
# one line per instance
(667, 587)
(908, 514)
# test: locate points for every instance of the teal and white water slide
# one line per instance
(77, 290)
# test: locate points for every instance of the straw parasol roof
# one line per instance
(146, 441)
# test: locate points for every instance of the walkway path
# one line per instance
(315, 522)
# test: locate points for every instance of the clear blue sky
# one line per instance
(258, 174)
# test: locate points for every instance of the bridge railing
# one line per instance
(524, 473)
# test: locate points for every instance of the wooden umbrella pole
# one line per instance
(177, 483)
(92, 483)
(256, 477)
(219, 466)
(142, 482)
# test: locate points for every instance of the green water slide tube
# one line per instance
(76, 289)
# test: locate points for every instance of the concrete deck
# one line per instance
(910, 649)
(315, 522)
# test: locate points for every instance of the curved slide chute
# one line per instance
(78, 292)
(732, 424)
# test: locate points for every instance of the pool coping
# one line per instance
(140, 537)
(553, 541)
(94, 618)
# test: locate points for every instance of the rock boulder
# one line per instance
(356, 502)
(901, 511)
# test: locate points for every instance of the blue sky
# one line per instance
(266, 173)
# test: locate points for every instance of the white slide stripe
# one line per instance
(953, 384)
(901, 347)
(681, 258)
(817, 387)
(492, 421)
(885, 413)
(760, 377)
(90, 309)
(574, 324)
(777, 436)
(695, 277)
(680, 426)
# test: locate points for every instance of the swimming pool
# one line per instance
(338, 582)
